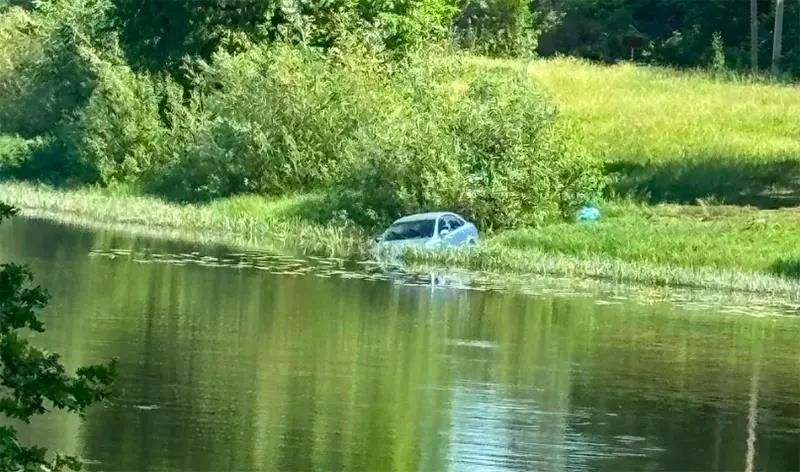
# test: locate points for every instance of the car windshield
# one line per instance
(410, 230)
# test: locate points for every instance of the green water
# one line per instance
(245, 362)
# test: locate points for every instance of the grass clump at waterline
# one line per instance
(496, 258)
(286, 223)
(673, 136)
(631, 244)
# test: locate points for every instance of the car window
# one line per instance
(454, 222)
(410, 230)
(444, 223)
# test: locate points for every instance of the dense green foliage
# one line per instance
(160, 35)
(673, 32)
(33, 379)
(668, 32)
(497, 27)
(490, 147)
(385, 118)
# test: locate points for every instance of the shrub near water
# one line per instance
(379, 136)
(274, 120)
(117, 137)
(487, 145)
(433, 131)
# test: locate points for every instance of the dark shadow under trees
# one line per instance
(733, 181)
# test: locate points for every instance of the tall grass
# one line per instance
(286, 223)
(678, 136)
(651, 114)
(495, 257)
(715, 238)
(635, 245)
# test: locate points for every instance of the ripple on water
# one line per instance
(371, 271)
(490, 431)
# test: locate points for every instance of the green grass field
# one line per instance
(668, 234)
(678, 136)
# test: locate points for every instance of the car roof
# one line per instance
(425, 216)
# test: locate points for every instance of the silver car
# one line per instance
(430, 230)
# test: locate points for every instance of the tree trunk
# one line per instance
(754, 35)
(777, 37)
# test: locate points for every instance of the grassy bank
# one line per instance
(716, 161)
(662, 246)
(718, 248)
(677, 136)
(278, 224)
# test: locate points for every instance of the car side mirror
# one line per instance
(443, 233)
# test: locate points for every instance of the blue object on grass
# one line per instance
(588, 213)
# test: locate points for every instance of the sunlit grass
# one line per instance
(656, 114)
(723, 248)
(677, 136)
(743, 239)
(282, 223)
(495, 257)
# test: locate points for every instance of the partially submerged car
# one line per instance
(429, 230)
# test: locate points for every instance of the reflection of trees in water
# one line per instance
(41, 243)
(751, 418)
(689, 388)
(511, 410)
(289, 372)
(179, 353)
(32, 242)
(347, 376)
(352, 379)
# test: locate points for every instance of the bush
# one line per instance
(118, 136)
(382, 134)
(14, 151)
(45, 58)
(63, 84)
(435, 130)
(275, 120)
(493, 149)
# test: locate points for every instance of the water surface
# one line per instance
(257, 362)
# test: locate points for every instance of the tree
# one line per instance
(160, 35)
(33, 379)
(754, 35)
(497, 27)
(777, 37)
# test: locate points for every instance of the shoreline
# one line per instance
(276, 226)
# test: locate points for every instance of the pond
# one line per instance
(260, 362)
